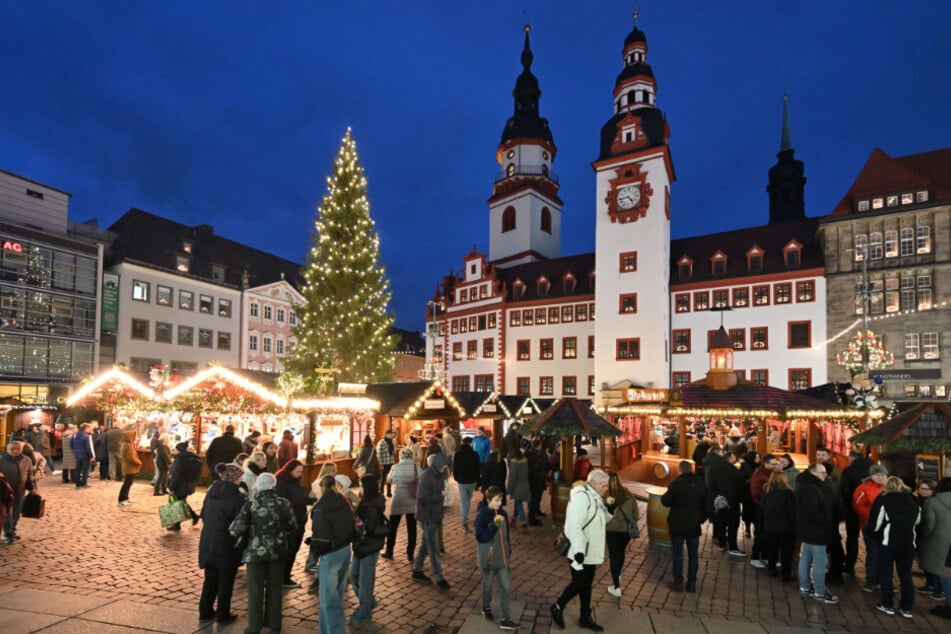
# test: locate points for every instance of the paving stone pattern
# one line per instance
(89, 565)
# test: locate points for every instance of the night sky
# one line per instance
(230, 113)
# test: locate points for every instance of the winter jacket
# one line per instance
(687, 499)
(287, 450)
(367, 458)
(893, 519)
(710, 461)
(223, 448)
(622, 513)
(162, 455)
(493, 547)
(128, 455)
(114, 439)
(936, 534)
(758, 481)
(292, 491)
(385, 451)
(429, 496)
(81, 443)
(271, 522)
(778, 507)
(465, 465)
(332, 521)
(585, 521)
(494, 471)
(402, 475)
(815, 510)
(863, 498)
(537, 466)
(16, 471)
(726, 480)
(100, 449)
(370, 510)
(852, 476)
(510, 442)
(186, 467)
(69, 459)
(517, 485)
(216, 544)
(483, 447)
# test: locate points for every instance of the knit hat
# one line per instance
(343, 481)
(877, 469)
(265, 482)
(439, 461)
(229, 472)
(182, 447)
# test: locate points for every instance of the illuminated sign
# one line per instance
(489, 408)
(434, 403)
(16, 247)
(642, 395)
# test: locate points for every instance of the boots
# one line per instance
(586, 622)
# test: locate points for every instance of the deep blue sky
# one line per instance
(230, 112)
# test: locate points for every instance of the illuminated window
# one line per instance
(912, 346)
(488, 348)
(515, 318)
(907, 242)
(460, 383)
(923, 239)
(163, 295)
(528, 316)
(523, 349)
(627, 303)
(741, 297)
(680, 379)
(457, 351)
(800, 379)
(553, 315)
(590, 346)
(701, 301)
(759, 376)
(140, 329)
(140, 291)
(805, 291)
(224, 309)
(569, 386)
(759, 338)
(581, 312)
(783, 293)
(929, 345)
(682, 301)
(546, 349)
(861, 246)
(472, 349)
(681, 341)
(891, 243)
(738, 337)
(567, 314)
(628, 262)
(483, 382)
(546, 386)
(721, 299)
(569, 348)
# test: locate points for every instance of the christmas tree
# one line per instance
(344, 324)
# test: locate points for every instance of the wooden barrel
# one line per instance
(560, 493)
(657, 529)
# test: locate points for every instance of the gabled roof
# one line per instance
(926, 426)
(398, 399)
(554, 269)
(747, 395)
(883, 174)
(735, 244)
(474, 402)
(569, 417)
(155, 241)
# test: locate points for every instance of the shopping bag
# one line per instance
(33, 506)
(174, 512)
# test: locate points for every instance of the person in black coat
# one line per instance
(495, 472)
(815, 521)
(290, 488)
(186, 467)
(537, 473)
(778, 508)
(224, 448)
(851, 477)
(366, 550)
(686, 498)
(726, 484)
(217, 554)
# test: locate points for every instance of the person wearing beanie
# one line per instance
(131, 465)
(862, 501)
(290, 488)
(217, 554)
(186, 467)
(269, 520)
(404, 476)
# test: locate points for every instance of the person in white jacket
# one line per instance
(585, 519)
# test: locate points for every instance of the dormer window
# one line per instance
(718, 263)
(518, 289)
(218, 273)
(684, 269)
(568, 284)
(543, 286)
(791, 254)
(182, 263)
(754, 260)
(187, 247)
(510, 169)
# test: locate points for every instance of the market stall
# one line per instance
(418, 409)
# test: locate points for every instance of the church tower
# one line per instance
(632, 240)
(787, 183)
(524, 210)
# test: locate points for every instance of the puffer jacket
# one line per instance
(936, 534)
(687, 498)
(429, 496)
(186, 467)
(271, 522)
(216, 544)
(517, 485)
(370, 510)
(493, 547)
(402, 475)
(585, 521)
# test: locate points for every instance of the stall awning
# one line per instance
(925, 427)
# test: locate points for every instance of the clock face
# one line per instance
(628, 196)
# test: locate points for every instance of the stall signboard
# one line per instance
(928, 466)
(434, 403)
(645, 395)
(490, 408)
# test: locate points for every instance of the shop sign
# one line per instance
(642, 395)
(489, 408)
(434, 403)
(906, 375)
(110, 302)
(9, 245)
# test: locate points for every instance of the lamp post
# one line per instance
(432, 371)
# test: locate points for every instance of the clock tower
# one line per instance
(632, 241)
(525, 210)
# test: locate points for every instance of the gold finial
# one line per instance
(528, 28)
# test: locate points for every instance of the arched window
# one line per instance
(508, 219)
(546, 220)
(542, 286)
(510, 170)
(631, 97)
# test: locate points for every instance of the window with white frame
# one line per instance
(923, 239)
(875, 246)
(268, 312)
(292, 319)
(891, 295)
(267, 344)
(907, 292)
(929, 345)
(280, 315)
(280, 346)
(861, 244)
(140, 291)
(924, 291)
(907, 242)
(891, 243)
(912, 346)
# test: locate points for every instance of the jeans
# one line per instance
(693, 561)
(465, 501)
(580, 586)
(219, 584)
(519, 513)
(363, 580)
(814, 556)
(410, 534)
(901, 559)
(13, 517)
(945, 584)
(126, 485)
(617, 542)
(871, 560)
(429, 548)
(264, 590)
(81, 472)
(505, 589)
(333, 583)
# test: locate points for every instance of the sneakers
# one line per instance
(906, 614)
(487, 614)
(124, 503)
(938, 595)
(806, 592)
(442, 584)
(736, 552)
(883, 608)
(870, 587)
(829, 598)
(419, 575)
(614, 591)
(757, 563)
(557, 617)
(925, 589)
(508, 624)
(290, 585)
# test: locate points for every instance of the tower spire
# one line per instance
(784, 143)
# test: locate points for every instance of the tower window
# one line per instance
(510, 170)
(630, 97)
(546, 220)
(508, 219)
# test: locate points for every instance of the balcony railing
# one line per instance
(528, 170)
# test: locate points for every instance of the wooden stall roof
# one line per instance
(474, 403)
(569, 417)
(402, 399)
(924, 427)
(747, 396)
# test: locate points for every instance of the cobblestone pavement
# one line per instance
(89, 565)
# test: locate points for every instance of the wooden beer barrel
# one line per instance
(560, 493)
(657, 530)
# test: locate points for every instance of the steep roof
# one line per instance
(554, 269)
(751, 396)
(883, 174)
(155, 241)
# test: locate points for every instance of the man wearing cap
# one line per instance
(429, 513)
(862, 501)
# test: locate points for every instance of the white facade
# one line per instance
(267, 325)
(173, 320)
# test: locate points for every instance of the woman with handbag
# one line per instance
(131, 466)
(405, 476)
(620, 529)
(217, 554)
(365, 464)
